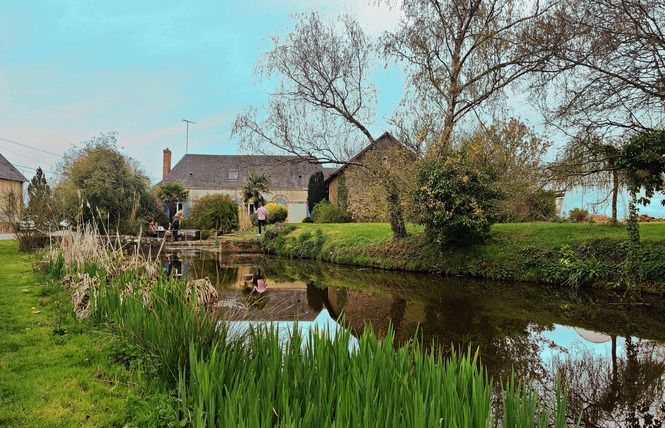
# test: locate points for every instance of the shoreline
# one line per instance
(561, 254)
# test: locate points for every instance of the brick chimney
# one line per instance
(167, 162)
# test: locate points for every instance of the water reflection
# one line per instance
(608, 348)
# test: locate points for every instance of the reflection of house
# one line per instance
(362, 308)
(11, 193)
(226, 174)
(356, 187)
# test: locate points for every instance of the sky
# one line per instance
(70, 70)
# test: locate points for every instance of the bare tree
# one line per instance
(462, 54)
(604, 68)
(322, 102)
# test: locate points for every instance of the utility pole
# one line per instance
(187, 141)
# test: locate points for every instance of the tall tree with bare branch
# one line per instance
(322, 100)
(462, 54)
(605, 66)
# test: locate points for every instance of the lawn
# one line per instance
(536, 252)
(52, 373)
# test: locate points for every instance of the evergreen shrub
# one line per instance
(455, 199)
(325, 212)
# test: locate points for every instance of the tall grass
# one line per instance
(323, 385)
(162, 318)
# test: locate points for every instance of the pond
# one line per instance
(609, 348)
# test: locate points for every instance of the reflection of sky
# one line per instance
(564, 338)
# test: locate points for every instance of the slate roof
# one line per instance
(341, 169)
(328, 171)
(212, 171)
(9, 172)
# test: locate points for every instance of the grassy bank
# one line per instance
(568, 254)
(53, 371)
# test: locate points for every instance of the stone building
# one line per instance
(361, 191)
(226, 174)
(11, 194)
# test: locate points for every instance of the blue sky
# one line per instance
(72, 69)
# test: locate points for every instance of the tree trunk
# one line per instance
(615, 194)
(396, 215)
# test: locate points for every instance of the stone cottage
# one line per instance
(226, 174)
(356, 188)
(11, 194)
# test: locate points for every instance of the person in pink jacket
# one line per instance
(261, 214)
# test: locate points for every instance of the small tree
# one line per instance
(515, 152)
(215, 212)
(39, 199)
(251, 191)
(171, 194)
(455, 199)
(316, 189)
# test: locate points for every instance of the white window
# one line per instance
(233, 175)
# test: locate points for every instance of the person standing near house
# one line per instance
(261, 214)
(175, 226)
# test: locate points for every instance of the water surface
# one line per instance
(608, 347)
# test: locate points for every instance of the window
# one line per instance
(233, 175)
(280, 201)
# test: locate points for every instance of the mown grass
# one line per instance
(557, 253)
(52, 373)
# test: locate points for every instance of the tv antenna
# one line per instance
(187, 140)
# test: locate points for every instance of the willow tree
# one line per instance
(322, 101)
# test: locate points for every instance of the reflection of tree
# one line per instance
(208, 265)
(315, 297)
(506, 345)
(616, 390)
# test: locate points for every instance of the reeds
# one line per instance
(260, 381)
(162, 318)
(324, 385)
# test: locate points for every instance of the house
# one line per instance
(205, 175)
(357, 188)
(11, 194)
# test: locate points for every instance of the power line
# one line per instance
(27, 157)
(30, 147)
(16, 164)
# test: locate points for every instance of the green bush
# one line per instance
(578, 215)
(325, 212)
(215, 212)
(455, 199)
(277, 213)
(187, 223)
(542, 205)
(307, 220)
